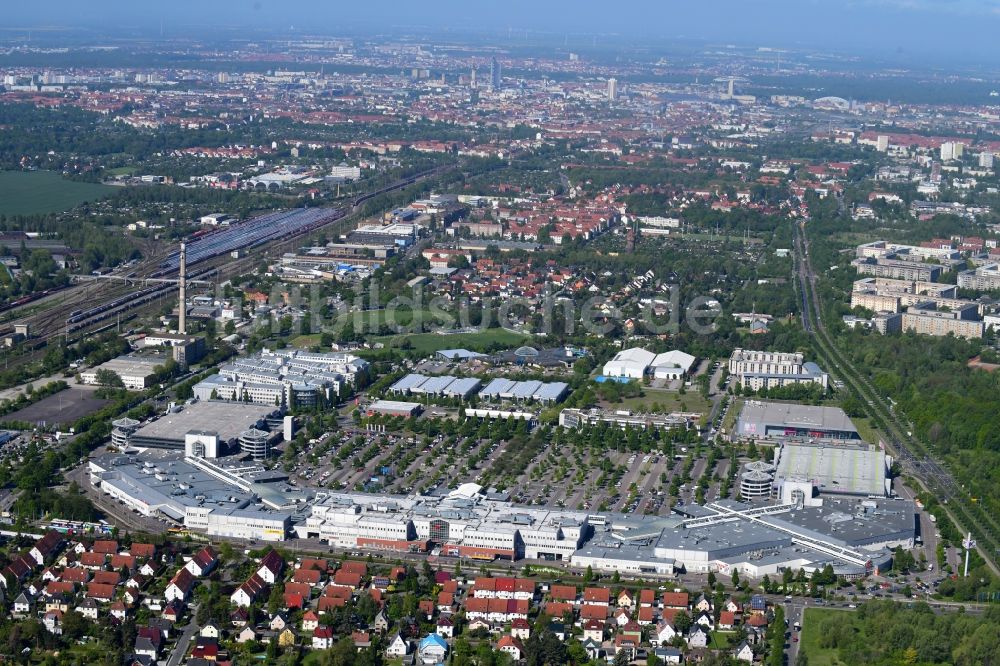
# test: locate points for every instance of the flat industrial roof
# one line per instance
(853, 521)
(228, 419)
(834, 468)
(757, 415)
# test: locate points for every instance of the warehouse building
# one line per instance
(637, 363)
(506, 389)
(437, 386)
(136, 372)
(170, 486)
(394, 408)
(760, 419)
(805, 470)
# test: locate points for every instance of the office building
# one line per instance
(612, 89)
(765, 370)
(496, 76)
(285, 377)
(576, 418)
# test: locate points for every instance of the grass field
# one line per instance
(29, 192)
(810, 639)
(428, 343)
(867, 430)
(666, 401)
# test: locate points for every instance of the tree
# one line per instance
(682, 622)
(110, 378)
(736, 578)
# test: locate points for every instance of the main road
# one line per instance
(909, 451)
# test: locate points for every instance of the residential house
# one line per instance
(180, 586)
(511, 646)
(743, 652)
(381, 622)
(246, 593)
(46, 547)
(52, 621)
(23, 604)
(271, 567)
(309, 621)
(278, 622)
(597, 596)
(246, 635)
(398, 647)
(593, 630)
(697, 636)
(593, 648)
(520, 629)
(446, 626)
(287, 638)
(432, 650)
(87, 608)
(322, 638)
(361, 639)
(203, 562)
(627, 644)
(669, 655)
(678, 600)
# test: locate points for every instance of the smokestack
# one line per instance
(181, 323)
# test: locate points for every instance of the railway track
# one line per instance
(117, 300)
(911, 453)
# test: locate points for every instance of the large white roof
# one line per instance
(673, 358)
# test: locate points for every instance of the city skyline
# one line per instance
(907, 31)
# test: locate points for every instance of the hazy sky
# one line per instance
(904, 29)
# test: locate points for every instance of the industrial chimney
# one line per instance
(181, 323)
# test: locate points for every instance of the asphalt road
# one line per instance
(183, 643)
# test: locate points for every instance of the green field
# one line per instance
(665, 401)
(810, 639)
(30, 192)
(428, 343)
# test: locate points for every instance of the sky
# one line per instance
(925, 30)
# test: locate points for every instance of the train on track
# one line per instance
(83, 318)
(30, 298)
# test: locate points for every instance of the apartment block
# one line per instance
(926, 319)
